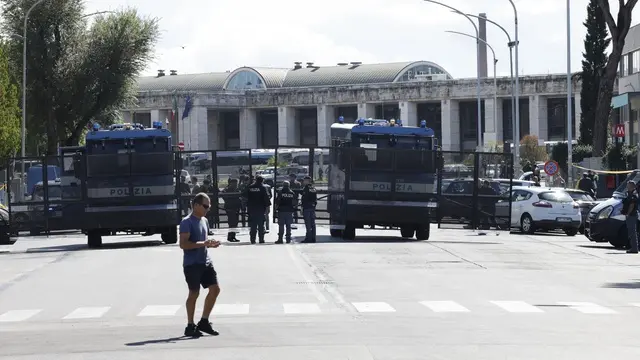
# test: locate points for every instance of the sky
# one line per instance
(219, 35)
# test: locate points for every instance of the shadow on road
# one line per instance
(466, 242)
(360, 239)
(171, 340)
(623, 285)
(603, 247)
(105, 246)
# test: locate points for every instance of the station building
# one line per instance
(628, 100)
(252, 107)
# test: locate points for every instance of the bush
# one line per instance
(560, 154)
(620, 157)
(530, 151)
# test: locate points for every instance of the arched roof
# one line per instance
(186, 82)
(271, 77)
(352, 74)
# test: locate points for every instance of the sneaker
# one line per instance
(192, 331)
(632, 251)
(288, 241)
(205, 327)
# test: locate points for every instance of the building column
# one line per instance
(213, 130)
(195, 126)
(538, 121)
(155, 116)
(450, 114)
(409, 113)
(326, 116)
(287, 126)
(366, 110)
(493, 124)
(576, 115)
(248, 129)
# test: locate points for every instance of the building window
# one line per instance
(432, 114)
(557, 119)
(268, 121)
(423, 73)
(245, 80)
(469, 120)
(507, 119)
(635, 62)
(308, 124)
(231, 130)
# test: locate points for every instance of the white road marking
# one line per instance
(635, 304)
(444, 306)
(301, 308)
(231, 309)
(160, 310)
(18, 315)
(373, 307)
(517, 306)
(588, 308)
(87, 313)
(307, 279)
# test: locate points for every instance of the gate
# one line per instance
(474, 190)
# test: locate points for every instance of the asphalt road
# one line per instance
(458, 296)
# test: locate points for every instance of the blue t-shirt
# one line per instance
(198, 229)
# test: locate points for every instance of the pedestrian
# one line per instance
(268, 209)
(257, 202)
(185, 192)
(630, 210)
(197, 266)
(232, 204)
(285, 200)
(296, 187)
(195, 186)
(586, 184)
(309, 201)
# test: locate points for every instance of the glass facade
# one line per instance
(414, 73)
(507, 123)
(245, 80)
(308, 127)
(557, 118)
(268, 128)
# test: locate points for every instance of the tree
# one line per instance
(618, 30)
(530, 151)
(10, 116)
(594, 60)
(78, 72)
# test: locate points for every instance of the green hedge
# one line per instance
(560, 154)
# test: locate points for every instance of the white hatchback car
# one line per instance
(539, 208)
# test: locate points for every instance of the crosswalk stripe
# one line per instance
(444, 306)
(301, 308)
(588, 308)
(517, 306)
(18, 315)
(87, 313)
(231, 309)
(159, 310)
(373, 307)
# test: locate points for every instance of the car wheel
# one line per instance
(621, 240)
(571, 231)
(526, 224)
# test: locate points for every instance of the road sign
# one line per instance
(618, 130)
(551, 167)
(181, 146)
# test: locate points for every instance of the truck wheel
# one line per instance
(34, 232)
(407, 232)
(94, 239)
(170, 236)
(349, 233)
(423, 232)
(337, 233)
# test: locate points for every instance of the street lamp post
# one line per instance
(510, 44)
(495, 78)
(477, 64)
(23, 130)
(517, 130)
(569, 104)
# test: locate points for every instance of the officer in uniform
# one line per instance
(268, 209)
(309, 201)
(232, 204)
(296, 187)
(285, 200)
(630, 210)
(257, 203)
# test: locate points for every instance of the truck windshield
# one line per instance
(399, 154)
(147, 156)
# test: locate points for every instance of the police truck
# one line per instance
(128, 179)
(382, 173)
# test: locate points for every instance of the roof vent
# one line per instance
(309, 64)
(298, 65)
(356, 63)
(173, 72)
(343, 64)
(160, 73)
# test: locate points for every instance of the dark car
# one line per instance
(605, 223)
(457, 202)
(585, 201)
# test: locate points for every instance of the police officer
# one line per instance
(268, 209)
(257, 202)
(285, 200)
(296, 187)
(309, 201)
(232, 204)
(630, 210)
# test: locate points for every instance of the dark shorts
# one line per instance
(200, 275)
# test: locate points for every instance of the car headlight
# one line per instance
(605, 213)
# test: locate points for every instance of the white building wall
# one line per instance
(326, 115)
(213, 130)
(195, 129)
(287, 126)
(366, 110)
(538, 123)
(450, 110)
(409, 113)
(248, 129)
(493, 122)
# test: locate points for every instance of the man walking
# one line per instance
(285, 200)
(197, 266)
(257, 203)
(309, 201)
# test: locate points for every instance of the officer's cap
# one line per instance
(286, 183)
(292, 176)
(307, 177)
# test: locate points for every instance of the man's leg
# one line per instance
(281, 224)
(260, 223)
(633, 233)
(192, 275)
(307, 224)
(209, 281)
(253, 227)
(266, 219)
(232, 217)
(288, 220)
(312, 216)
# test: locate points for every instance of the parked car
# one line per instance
(457, 200)
(538, 208)
(585, 201)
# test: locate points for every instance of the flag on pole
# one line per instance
(174, 110)
(188, 104)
